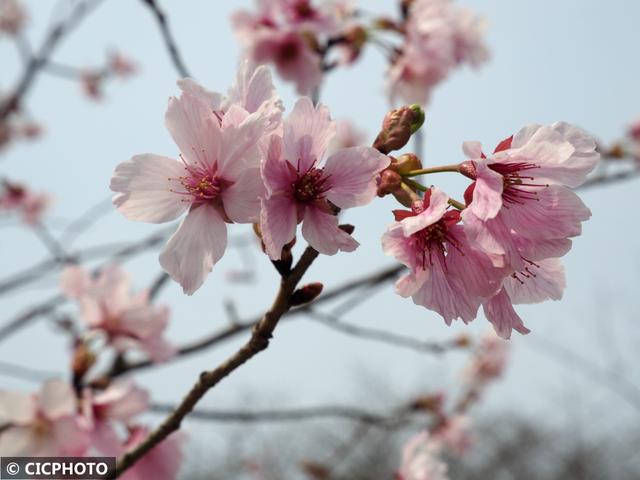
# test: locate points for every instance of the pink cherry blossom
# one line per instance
(43, 424)
(455, 434)
(299, 189)
(161, 462)
(489, 361)
(29, 204)
(439, 37)
(446, 275)
(121, 65)
(107, 306)
(634, 131)
(216, 180)
(119, 403)
(539, 281)
(12, 17)
(519, 207)
(421, 460)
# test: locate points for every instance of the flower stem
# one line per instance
(456, 204)
(414, 184)
(424, 171)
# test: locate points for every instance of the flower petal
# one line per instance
(307, 133)
(487, 194)
(352, 174)
(144, 185)
(194, 128)
(542, 281)
(242, 199)
(195, 247)
(278, 220)
(499, 311)
(57, 399)
(438, 204)
(16, 407)
(321, 230)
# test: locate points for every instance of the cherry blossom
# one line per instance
(301, 190)
(12, 17)
(440, 36)
(446, 275)
(107, 306)
(29, 204)
(121, 65)
(347, 135)
(161, 462)
(42, 424)
(489, 361)
(120, 402)
(216, 181)
(421, 460)
(519, 207)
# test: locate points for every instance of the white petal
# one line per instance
(144, 185)
(197, 245)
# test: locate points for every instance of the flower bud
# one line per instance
(467, 169)
(406, 163)
(347, 228)
(397, 127)
(429, 403)
(306, 294)
(389, 182)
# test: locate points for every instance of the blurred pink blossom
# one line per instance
(107, 306)
(18, 198)
(421, 460)
(12, 17)
(162, 462)
(91, 82)
(489, 361)
(121, 65)
(347, 136)
(42, 424)
(439, 37)
(119, 403)
(455, 434)
(299, 189)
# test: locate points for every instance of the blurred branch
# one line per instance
(260, 337)
(26, 373)
(36, 62)
(389, 338)
(353, 414)
(169, 41)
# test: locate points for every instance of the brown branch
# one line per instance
(169, 41)
(259, 341)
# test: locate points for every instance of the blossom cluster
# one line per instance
(96, 414)
(452, 434)
(429, 41)
(240, 162)
(60, 421)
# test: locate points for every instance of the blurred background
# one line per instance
(568, 406)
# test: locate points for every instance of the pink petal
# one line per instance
(240, 143)
(16, 407)
(19, 441)
(437, 207)
(195, 247)
(472, 149)
(275, 171)
(499, 311)
(487, 194)
(69, 438)
(278, 220)
(321, 231)
(123, 400)
(75, 281)
(194, 128)
(396, 244)
(57, 399)
(307, 133)
(242, 199)
(253, 88)
(543, 281)
(144, 185)
(352, 173)
(212, 99)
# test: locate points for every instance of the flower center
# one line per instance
(516, 186)
(303, 9)
(200, 184)
(527, 273)
(434, 238)
(289, 50)
(310, 186)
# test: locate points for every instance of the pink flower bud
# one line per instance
(306, 294)
(407, 163)
(389, 183)
(397, 127)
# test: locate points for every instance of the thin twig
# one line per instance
(169, 41)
